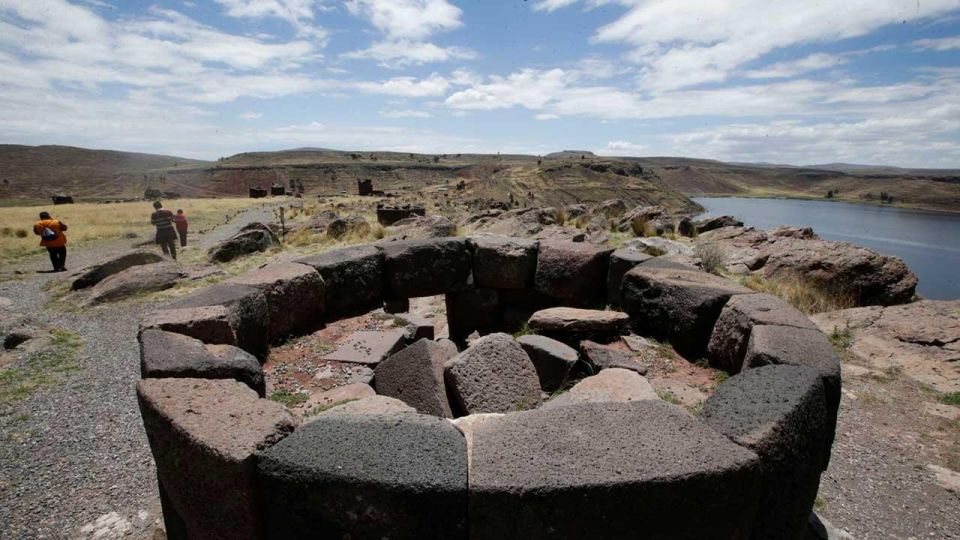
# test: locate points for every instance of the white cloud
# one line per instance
(408, 19)
(405, 53)
(251, 116)
(680, 44)
(793, 68)
(434, 85)
(406, 113)
(623, 148)
(941, 44)
(299, 13)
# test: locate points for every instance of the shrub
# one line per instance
(642, 227)
(951, 398)
(712, 256)
(841, 339)
(561, 216)
(806, 295)
(21, 233)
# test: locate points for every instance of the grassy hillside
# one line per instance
(34, 173)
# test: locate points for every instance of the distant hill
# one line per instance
(37, 172)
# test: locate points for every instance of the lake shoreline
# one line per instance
(859, 202)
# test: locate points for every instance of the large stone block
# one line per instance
(167, 354)
(502, 262)
(415, 376)
(353, 278)
(247, 313)
(473, 310)
(644, 469)
(779, 412)
(797, 347)
(622, 261)
(573, 271)
(493, 375)
(577, 321)
(398, 476)
(552, 359)
(427, 267)
(294, 293)
(601, 357)
(728, 342)
(369, 347)
(100, 271)
(204, 435)
(610, 385)
(679, 305)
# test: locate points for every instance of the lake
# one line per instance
(929, 242)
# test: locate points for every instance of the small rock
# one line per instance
(602, 357)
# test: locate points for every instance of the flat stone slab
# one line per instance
(368, 346)
(353, 277)
(679, 305)
(602, 357)
(136, 280)
(552, 359)
(398, 476)
(609, 470)
(575, 320)
(610, 385)
(336, 396)
(502, 262)
(375, 405)
(415, 376)
(294, 294)
(494, 375)
(728, 342)
(204, 435)
(167, 354)
(780, 413)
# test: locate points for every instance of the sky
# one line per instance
(799, 82)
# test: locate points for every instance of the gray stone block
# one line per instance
(427, 267)
(502, 262)
(621, 262)
(779, 412)
(493, 375)
(728, 342)
(248, 313)
(473, 310)
(679, 305)
(353, 279)
(610, 385)
(609, 470)
(167, 354)
(415, 376)
(552, 359)
(573, 271)
(398, 476)
(294, 294)
(601, 357)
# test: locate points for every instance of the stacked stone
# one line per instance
(395, 465)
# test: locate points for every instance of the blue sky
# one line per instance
(801, 82)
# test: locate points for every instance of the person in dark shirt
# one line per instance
(162, 219)
(180, 221)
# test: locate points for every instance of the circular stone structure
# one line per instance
(234, 465)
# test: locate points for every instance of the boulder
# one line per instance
(376, 405)
(787, 231)
(645, 221)
(418, 227)
(671, 262)
(572, 271)
(609, 470)
(679, 305)
(622, 261)
(502, 262)
(398, 476)
(472, 310)
(16, 329)
(728, 342)
(326, 222)
(369, 347)
(565, 320)
(136, 280)
(710, 223)
(522, 222)
(601, 357)
(415, 376)
(353, 279)
(661, 246)
(92, 275)
(552, 359)
(169, 355)
(205, 436)
(428, 267)
(559, 233)
(357, 226)
(610, 385)
(779, 413)
(254, 238)
(610, 209)
(246, 310)
(294, 293)
(493, 375)
(339, 395)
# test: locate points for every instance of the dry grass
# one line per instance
(712, 256)
(801, 293)
(643, 228)
(90, 222)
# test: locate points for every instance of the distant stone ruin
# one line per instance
(459, 441)
(258, 193)
(365, 187)
(388, 215)
(277, 190)
(62, 199)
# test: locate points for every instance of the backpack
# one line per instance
(48, 234)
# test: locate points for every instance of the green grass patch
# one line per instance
(38, 369)
(950, 398)
(842, 340)
(668, 396)
(524, 330)
(321, 408)
(290, 399)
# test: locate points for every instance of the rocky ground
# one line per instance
(74, 462)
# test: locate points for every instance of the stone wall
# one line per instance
(231, 464)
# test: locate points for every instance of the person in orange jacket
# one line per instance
(180, 222)
(51, 236)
